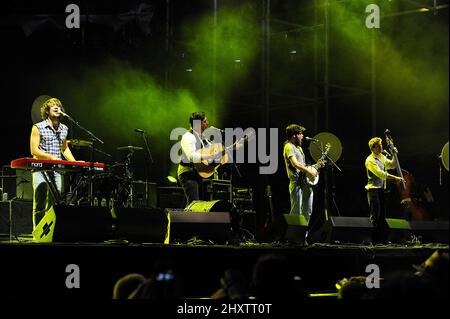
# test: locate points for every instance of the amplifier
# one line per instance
(143, 195)
(171, 197)
(8, 182)
(243, 199)
(16, 217)
(214, 189)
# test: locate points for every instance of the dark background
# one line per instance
(48, 60)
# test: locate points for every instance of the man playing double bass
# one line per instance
(376, 166)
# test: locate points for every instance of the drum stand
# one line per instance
(93, 138)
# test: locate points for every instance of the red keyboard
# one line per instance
(40, 164)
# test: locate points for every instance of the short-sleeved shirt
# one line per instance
(51, 140)
(292, 150)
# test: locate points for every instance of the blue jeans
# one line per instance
(42, 197)
(301, 199)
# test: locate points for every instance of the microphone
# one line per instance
(138, 130)
(217, 129)
(64, 114)
(309, 139)
(387, 153)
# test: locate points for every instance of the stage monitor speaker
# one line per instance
(399, 230)
(63, 223)
(286, 227)
(430, 231)
(140, 224)
(218, 205)
(214, 227)
(339, 229)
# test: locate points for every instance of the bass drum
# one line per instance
(209, 206)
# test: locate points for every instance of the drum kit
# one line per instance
(112, 188)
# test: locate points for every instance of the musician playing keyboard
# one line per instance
(48, 141)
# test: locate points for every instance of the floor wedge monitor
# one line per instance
(207, 227)
(63, 223)
(140, 225)
(339, 229)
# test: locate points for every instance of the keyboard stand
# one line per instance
(53, 188)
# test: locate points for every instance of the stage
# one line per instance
(32, 270)
(126, 81)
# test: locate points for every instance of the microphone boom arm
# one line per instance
(82, 128)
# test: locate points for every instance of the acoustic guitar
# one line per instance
(207, 168)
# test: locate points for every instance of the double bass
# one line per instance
(409, 206)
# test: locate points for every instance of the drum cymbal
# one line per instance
(444, 156)
(129, 148)
(80, 143)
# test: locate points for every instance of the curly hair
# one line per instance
(46, 105)
(196, 116)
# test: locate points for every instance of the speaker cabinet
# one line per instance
(209, 206)
(339, 229)
(143, 195)
(430, 231)
(20, 212)
(140, 225)
(171, 197)
(63, 223)
(8, 181)
(286, 227)
(399, 230)
(214, 227)
(24, 185)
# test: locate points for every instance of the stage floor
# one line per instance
(32, 270)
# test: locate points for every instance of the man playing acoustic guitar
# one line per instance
(192, 144)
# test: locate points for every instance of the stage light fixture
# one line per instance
(171, 179)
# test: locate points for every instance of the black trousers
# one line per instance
(377, 210)
(191, 183)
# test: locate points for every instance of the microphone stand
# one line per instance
(333, 164)
(150, 158)
(93, 138)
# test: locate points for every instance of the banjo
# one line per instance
(309, 179)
